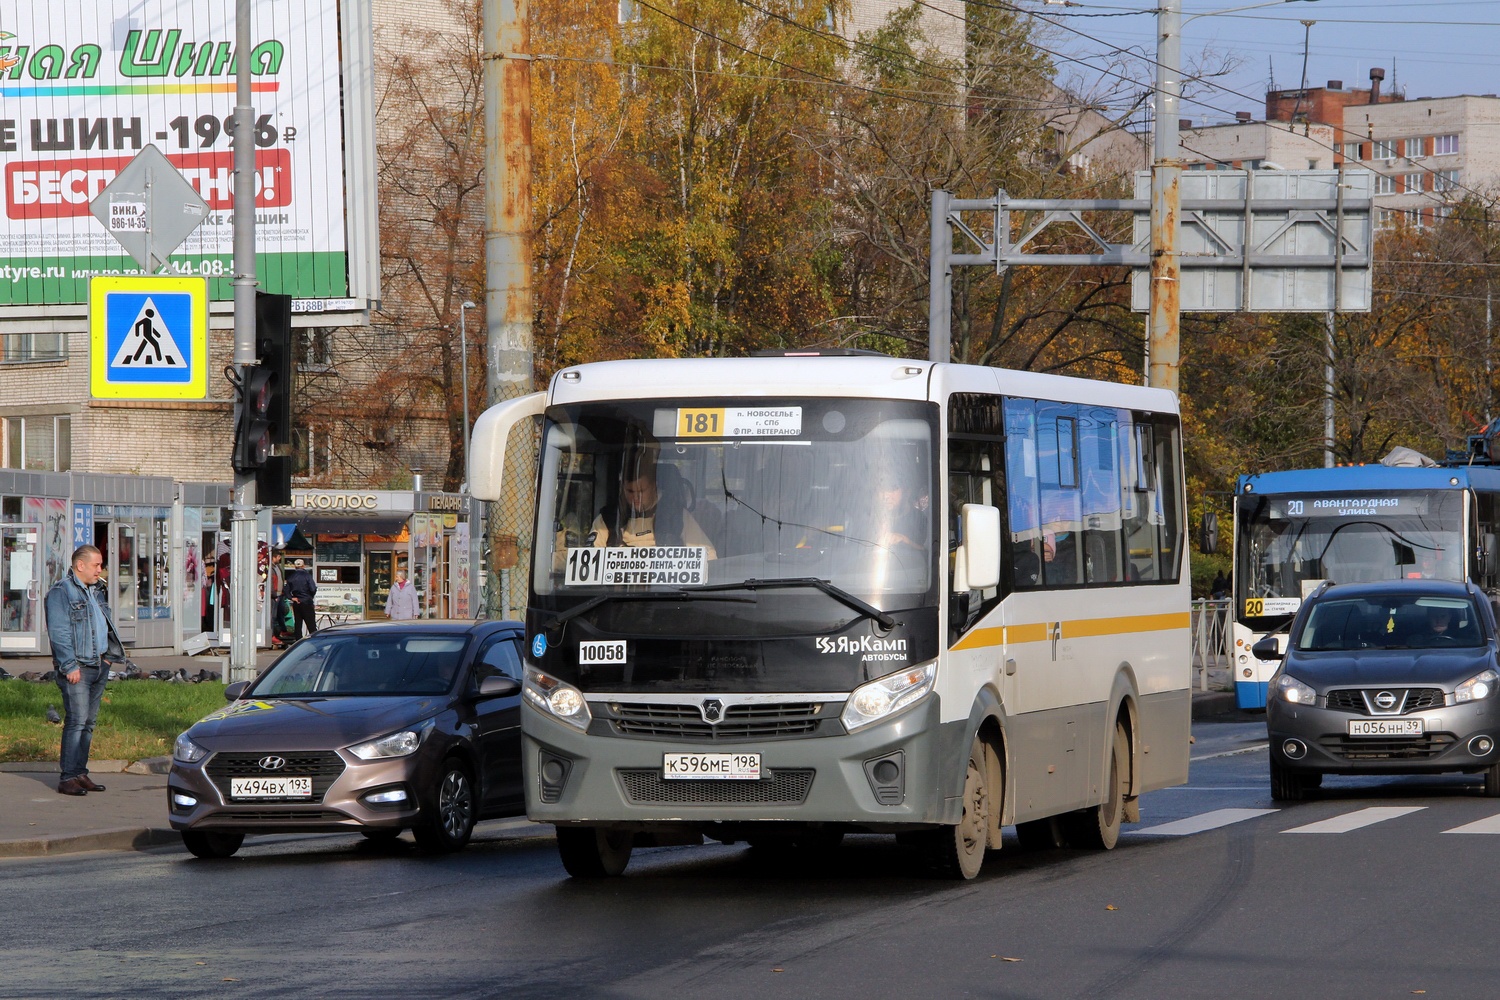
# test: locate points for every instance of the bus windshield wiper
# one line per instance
(643, 595)
(785, 583)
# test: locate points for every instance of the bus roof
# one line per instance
(1344, 478)
(875, 377)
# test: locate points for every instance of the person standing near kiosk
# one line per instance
(301, 588)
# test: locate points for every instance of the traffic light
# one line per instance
(253, 426)
(263, 421)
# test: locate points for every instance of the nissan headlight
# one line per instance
(185, 751)
(1293, 691)
(885, 696)
(398, 744)
(1481, 685)
(563, 702)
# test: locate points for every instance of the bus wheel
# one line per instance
(958, 851)
(1099, 826)
(593, 851)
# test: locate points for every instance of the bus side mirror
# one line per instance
(1208, 533)
(1491, 558)
(1405, 554)
(979, 555)
(1268, 648)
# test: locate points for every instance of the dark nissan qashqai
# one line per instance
(1396, 677)
(374, 728)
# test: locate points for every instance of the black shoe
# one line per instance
(89, 784)
(71, 786)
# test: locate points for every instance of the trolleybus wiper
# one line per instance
(783, 583)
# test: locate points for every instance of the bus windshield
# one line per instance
(665, 496)
(1288, 545)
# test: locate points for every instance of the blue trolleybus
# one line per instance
(1349, 524)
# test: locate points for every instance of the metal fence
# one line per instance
(1211, 644)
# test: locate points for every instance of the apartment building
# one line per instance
(1426, 153)
(1252, 145)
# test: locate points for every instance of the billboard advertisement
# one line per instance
(85, 85)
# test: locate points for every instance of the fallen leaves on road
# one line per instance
(1111, 906)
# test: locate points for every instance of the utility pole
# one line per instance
(507, 252)
(1164, 348)
(243, 543)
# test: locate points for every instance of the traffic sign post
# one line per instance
(148, 337)
(150, 208)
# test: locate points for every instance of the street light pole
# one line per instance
(1164, 346)
(471, 504)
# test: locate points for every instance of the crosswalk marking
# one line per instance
(1490, 824)
(1204, 821)
(1355, 820)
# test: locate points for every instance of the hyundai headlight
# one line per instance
(563, 702)
(185, 751)
(1293, 691)
(398, 744)
(1481, 685)
(885, 696)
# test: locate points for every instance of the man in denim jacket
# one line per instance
(84, 644)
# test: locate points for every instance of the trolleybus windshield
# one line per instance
(1289, 544)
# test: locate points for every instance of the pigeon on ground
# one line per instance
(52, 716)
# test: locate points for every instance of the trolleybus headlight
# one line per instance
(887, 695)
(1481, 685)
(563, 702)
(1294, 691)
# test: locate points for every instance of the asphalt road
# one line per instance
(1373, 890)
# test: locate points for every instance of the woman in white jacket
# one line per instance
(401, 605)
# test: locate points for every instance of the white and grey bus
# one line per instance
(777, 599)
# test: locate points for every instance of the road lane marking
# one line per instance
(1355, 820)
(1233, 753)
(1488, 825)
(1204, 821)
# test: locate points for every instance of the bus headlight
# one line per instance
(1294, 691)
(563, 702)
(887, 695)
(1481, 685)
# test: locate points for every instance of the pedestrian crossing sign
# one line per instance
(148, 337)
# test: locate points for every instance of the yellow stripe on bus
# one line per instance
(1077, 629)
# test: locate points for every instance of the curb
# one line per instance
(150, 765)
(127, 839)
(1213, 704)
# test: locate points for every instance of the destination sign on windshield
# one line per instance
(1283, 508)
(729, 422)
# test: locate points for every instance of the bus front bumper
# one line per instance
(884, 776)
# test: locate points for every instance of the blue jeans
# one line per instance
(80, 709)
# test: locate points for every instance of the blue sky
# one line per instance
(1436, 48)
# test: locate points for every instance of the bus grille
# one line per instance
(741, 722)
(323, 766)
(1353, 700)
(1397, 748)
(783, 787)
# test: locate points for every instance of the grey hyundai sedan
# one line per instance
(1398, 677)
(374, 728)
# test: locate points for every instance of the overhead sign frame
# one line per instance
(148, 337)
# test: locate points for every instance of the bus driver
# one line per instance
(643, 516)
